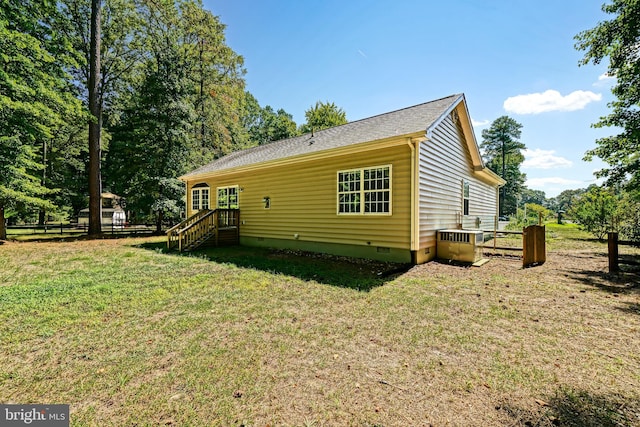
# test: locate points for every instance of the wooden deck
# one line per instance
(218, 227)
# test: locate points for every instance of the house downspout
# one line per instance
(414, 146)
(413, 194)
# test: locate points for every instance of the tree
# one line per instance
(19, 187)
(265, 125)
(274, 126)
(95, 125)
(150, 144)
(182, 108)
(35, 99)
(110, 44)
(323, 115)
(565, 200)
(595, 211)
(629, 217)
(618, 40)
(66, 169)
(501, 151)
(537, 212)
(250, 117)
(155, 133)
(217, 76)
(533, 196)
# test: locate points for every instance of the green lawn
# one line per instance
(128, 334)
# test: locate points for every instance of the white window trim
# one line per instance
(362, 191)
(237, 187)
(466, 183)
(200, 205)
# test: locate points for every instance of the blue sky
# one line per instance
(509, 57)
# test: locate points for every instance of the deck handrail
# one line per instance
(192, 232)
(188, 227)
(189, 220)
(199, 225)
(173, 234)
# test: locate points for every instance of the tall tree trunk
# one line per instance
(504, 176)
(42, 214)
(3, 228)
(95, 126)
(159, 218)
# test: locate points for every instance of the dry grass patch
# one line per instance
(129, 335)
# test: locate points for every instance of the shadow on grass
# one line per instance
(630, 308)
(626, 281)
(345, 272)
(577, 408)
(79, 236)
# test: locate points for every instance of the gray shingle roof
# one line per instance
(401, 122)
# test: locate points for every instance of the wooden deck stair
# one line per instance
(205, 228)
(200, 241)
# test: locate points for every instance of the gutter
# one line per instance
(414, 146)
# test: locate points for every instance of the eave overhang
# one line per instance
(396, 140)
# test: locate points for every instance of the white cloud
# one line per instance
(478, 123)
(552, 180)
(552, 186)
(544, 159)
(604, 79)
(550, 100)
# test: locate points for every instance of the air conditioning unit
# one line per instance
(460, 245)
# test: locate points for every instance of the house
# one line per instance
(375, 188)
(111, 211)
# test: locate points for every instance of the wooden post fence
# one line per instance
(534, 251)
(614, 265)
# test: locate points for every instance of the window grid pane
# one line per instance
(233, 198)
(195, 200)
(365, 191)
(228, 198)
(205, 198)
(349, 192)
(465, 197)
(223, 199)
(377, 202)
(349, 203)
(376, 187)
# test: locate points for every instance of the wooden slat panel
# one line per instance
(533, 245)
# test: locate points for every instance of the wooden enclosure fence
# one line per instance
(534, 250)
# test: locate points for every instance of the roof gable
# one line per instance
(406, 121)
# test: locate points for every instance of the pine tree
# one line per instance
(502, 153)
(35, 99)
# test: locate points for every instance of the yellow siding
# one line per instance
(304, 200)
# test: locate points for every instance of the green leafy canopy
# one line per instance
(618, 39)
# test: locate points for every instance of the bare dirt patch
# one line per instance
(570, 325)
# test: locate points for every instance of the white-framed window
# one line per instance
(365, 191)
(200, 197)
(227, 197)
(465, 197)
